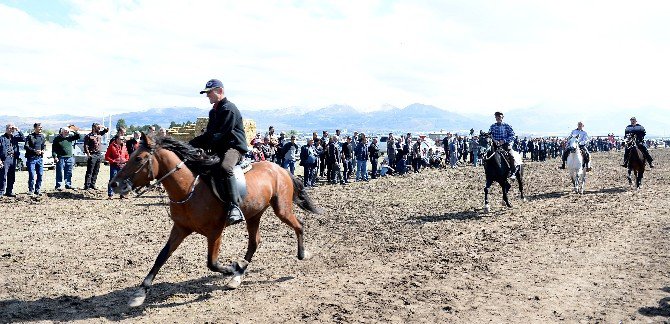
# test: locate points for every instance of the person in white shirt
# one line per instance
(583, 139)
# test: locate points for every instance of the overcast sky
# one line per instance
(81, 57)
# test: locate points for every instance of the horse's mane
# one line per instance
(195, 159)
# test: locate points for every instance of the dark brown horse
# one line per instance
(636, 162)
(194, 208)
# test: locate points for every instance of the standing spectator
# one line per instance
(290, 151)
(325, 139)
(474, 150)
(416, 156)
(281, 142)
(308, 159)
(361, 152)
(133, 143)
(9, 154)
(161, 132)
(274, 144)
(152, 131)
(453, 151)
(92, 149)
(373, 150)
(390, 149)
(117, 156)
(35, 146)
(267, 149)
(61, 149)
(347, 159)
(334, 159)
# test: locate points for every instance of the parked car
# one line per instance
(47, 160)
(78, 152)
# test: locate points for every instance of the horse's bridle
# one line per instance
(149, 162)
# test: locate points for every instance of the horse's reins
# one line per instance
(149, 161)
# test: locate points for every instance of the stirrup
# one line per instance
(235, 215)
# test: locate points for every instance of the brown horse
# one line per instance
(194, 207)
(636, 162)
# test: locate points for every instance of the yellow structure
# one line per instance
(188, 132)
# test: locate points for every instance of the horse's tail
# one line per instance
(301, 198)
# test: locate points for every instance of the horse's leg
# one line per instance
(519, 180)
(630, 180)
(213, 249)
(486, 195)
(640, 174)
(177, 235)
(505, 189)
(283, 208)
(253, 228)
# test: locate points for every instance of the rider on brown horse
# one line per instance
(224, 136)
(636, 129)
(503, 136)
(583, 138)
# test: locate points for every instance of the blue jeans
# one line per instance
(35, 166)
(113, 170)
(7, 175)
(289, 165)
(64, 166)
(361, 170)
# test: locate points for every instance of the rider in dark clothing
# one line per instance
(636, 129)
(224, 136)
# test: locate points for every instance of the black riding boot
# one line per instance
(235, 214)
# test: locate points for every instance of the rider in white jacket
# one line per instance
(583, 139)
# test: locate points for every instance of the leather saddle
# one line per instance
(239, 170)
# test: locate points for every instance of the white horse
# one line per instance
(575, 164)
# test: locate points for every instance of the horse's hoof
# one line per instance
(524, 199)
(236, 281)
(486, 209)
(305, 256)
(137, 299)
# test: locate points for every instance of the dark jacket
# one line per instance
(361, 151)
(373, 149)
(224, 130)
(334, 153)
(62, 146)
(35, 142)
(636, 130)
(9, 145)
(92, 142)
(347, 150)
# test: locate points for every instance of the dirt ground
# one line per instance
(402, 249)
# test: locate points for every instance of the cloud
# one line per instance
(475, 56)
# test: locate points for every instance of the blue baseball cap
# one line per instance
(212, 84)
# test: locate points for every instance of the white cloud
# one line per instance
(474, 56)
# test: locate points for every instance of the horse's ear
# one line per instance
(148, 140)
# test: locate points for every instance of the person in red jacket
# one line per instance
(117, 156)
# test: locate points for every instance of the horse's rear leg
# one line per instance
(177, 235)
(505, 189)
(283, 208)
(519, 180)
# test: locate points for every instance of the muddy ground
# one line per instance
(403, 249)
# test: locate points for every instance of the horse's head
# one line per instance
(140, 169)
(573, 143)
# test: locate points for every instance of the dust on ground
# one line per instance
(402, 249)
